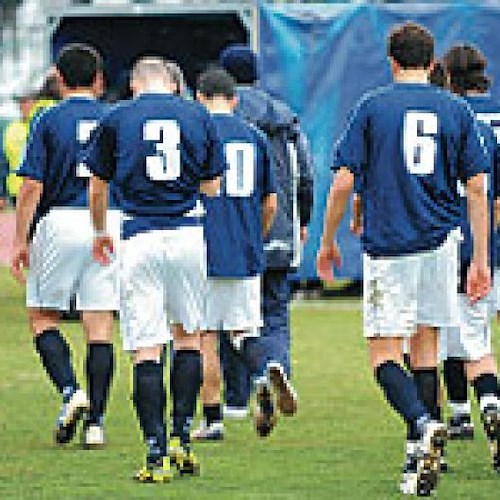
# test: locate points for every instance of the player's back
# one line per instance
(234, 218)
(54, 152)
(164, 147)
(411, 143)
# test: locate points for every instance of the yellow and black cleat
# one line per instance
(158, 472)
(183, 459)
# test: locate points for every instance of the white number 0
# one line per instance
(420, 147)
(166, 164)
(240, 176)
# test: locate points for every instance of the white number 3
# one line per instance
(166, 164)
(420, 147)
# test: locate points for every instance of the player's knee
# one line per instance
(148, 354)
(485, 365)
(98, 326)
(40, 321)
(384, 350)
(184, 341)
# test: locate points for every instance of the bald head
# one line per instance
(154, 74)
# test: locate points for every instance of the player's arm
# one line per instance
(269, 208)
(27, 202)
(210, 187)
(478, 214)
(336, 206)
(100, 159)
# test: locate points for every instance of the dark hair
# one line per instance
(466, 65)
(241, 62)
(438, 75)
(411, 46)
(216, 82)
(79, 65)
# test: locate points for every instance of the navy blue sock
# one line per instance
(150, 401)
(427, 382)
(100, 364)
(56, 358)
(455, 380)
(400, 391)
(186, 383)
(486, 385)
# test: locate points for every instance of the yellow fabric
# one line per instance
(14, 142)
(40, 105)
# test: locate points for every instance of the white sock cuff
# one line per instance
(460, 408)
(489, 400)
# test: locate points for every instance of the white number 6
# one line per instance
(420, 147)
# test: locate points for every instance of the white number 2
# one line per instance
(166, 164)
(420, 147)
(84, 129)
(240, 175)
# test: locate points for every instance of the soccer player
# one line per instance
(294, 179)
(161, 151)
(410, 143)
(470, 342)
(54, 239)
(237, 221)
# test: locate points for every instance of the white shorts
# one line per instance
(418, 289)
(472, 339)
(496, 291)
(234, 304)
(61, 263)
(163, 276)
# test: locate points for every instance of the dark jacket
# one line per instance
(294, 173)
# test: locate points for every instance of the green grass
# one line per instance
(344, 443)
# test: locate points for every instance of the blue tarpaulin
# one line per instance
(320, 58)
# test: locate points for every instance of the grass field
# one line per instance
(344, 443)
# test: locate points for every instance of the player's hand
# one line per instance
(20, 261)
(303, 234)
(356, 226)
(478, 282)
(103, 249)
(328, 255)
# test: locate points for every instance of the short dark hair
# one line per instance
(438, 75)
(216, 82)
(465, 64)
(79, 64)
(411, 46)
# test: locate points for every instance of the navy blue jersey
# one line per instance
(54, 152)
(410, 144)
(477, 104)
(488, 111)
(234, 218)
(156, 149)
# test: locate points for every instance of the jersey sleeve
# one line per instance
(474, 159)
(100, 155)
(269, 177)
(496, 170)
(34, 163)
(351, 149)
(215, 162)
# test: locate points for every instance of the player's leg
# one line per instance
(149, 398)
(186, 373)
(423, 359)
(144, 329)
(55, 356)
(237, 384)
(460, 425)
(98, 327)
(483, 376)
(185, 281)
(390, 315)
(211, 428)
